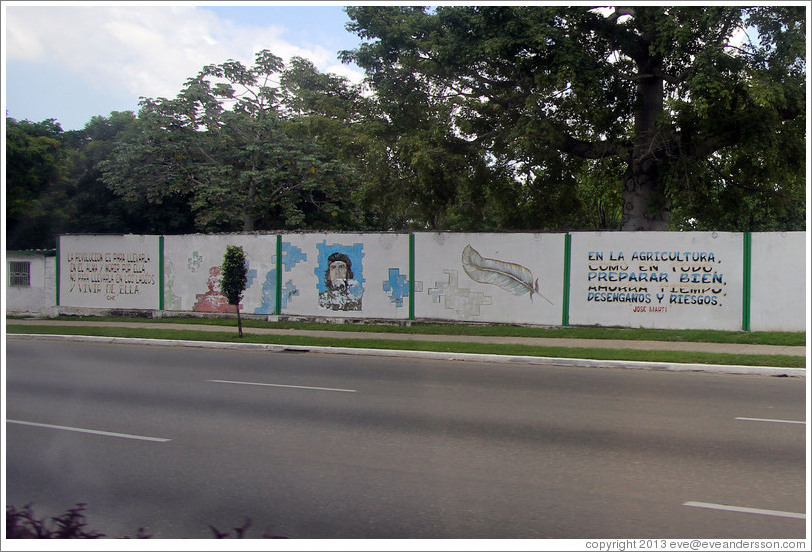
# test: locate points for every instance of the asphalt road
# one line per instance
(335, 446)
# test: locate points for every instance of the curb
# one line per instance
(430, 355)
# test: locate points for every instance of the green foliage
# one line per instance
(650, 95)
(22, 524)
(245, 160)
(55, 185)
(475, 346)
(242, 531)
(36, 167)
(435, 328)
(234, 271)
(96, 207)
(481, 118)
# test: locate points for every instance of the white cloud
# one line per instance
(354, 75)
(145, 50)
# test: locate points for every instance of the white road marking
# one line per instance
(769, 420)
(91, 431)
(288, 386)
(744, 510)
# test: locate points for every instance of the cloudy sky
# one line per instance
(72, 60)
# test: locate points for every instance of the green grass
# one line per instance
(383, 343)
(705, 336)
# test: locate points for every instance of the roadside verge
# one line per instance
(434, 355)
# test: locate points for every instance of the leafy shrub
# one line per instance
(22, 524)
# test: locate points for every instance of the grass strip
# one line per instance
(417, 345)
(500, 330)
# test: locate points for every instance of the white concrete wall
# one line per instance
(669, 280)
(778, 298)
(192, 272)
(467, 277)
(109, 271)
(674, 280)
(40, 297)
(378, 287)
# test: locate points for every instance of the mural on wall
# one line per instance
(513, 278)
(268, 297)
(340, 276)
(110, 274)
(656, 280)
(462, 301)
(653, 281)
(190, 282)
(291, 256)
(173, 300)
(194, 262)
(397, 287)
(213, 300)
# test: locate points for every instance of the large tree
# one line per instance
(54, 184)
(408, 174)
(37, 164)
(676, 102)
(228, 142)
(94, 207)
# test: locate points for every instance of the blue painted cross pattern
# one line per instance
(397, 287)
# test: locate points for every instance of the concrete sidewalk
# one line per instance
(730, 348)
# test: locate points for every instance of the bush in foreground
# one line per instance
(23, 524)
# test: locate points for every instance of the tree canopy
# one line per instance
(682, 102)
(242, 156)
(54, 184)
(234, 272)
(36, 164)
(471, 118)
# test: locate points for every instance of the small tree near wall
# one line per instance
(235, 278)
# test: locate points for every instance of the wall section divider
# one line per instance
(160, 273)
(565, 305)
(746, 279)
(411, 276)
(279, 266)
(58, 262)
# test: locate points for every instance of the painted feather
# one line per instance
(511, 277)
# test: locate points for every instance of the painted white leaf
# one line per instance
(511, 277)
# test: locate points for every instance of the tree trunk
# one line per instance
(645, 205)
(248, 215)
(239, 320)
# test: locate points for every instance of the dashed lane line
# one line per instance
(745, 510)
(90, 431)
(287, 386)
(771, 420)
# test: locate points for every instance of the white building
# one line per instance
(30, 283)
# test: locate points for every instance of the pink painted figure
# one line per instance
(213, 300)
